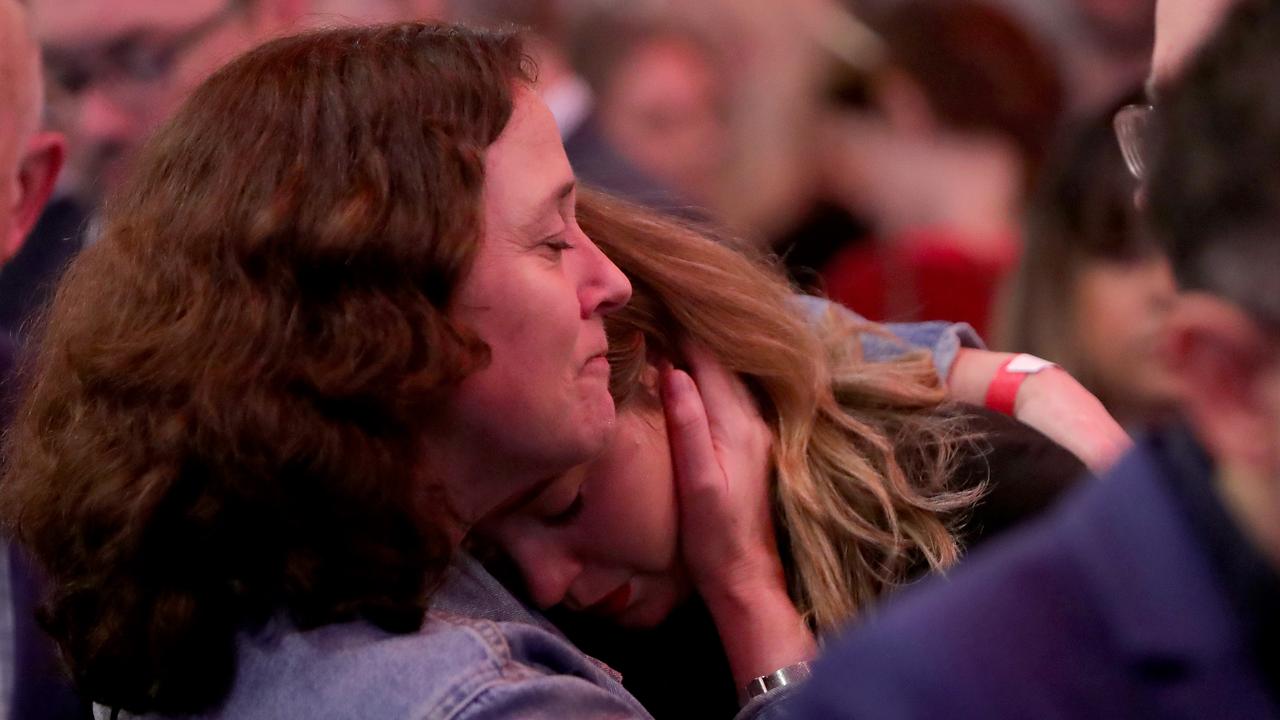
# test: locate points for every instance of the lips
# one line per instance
(597, 362)
(614, 603)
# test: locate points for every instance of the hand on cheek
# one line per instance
(720, 454)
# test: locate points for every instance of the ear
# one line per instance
(37, 173)
(1221, 358)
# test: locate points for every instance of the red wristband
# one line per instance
(1002, 393)
(1003, 390)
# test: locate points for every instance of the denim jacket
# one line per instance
(941, 338)
(481, 654)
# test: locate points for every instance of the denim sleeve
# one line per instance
(566, 697)
(942, 339)
(527, 692)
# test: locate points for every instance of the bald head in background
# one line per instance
(29, 159)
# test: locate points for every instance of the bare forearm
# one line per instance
(762, 631)
(1050, 401)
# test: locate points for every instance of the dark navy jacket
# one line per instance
(40, 689)
(1112, 607)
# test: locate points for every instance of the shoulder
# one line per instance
(1017, 622)
(454, 667)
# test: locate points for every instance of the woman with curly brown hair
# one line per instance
(342, 310)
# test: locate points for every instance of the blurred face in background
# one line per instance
(1120, 311)
(118, 69)
(663, 110)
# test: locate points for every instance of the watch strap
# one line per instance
(788, 675)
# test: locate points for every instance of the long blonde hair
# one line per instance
(862, 452)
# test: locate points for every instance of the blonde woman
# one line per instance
(821, 479)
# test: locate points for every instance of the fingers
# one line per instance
(730, 409)
(693, 454)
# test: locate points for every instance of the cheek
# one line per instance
(1109, 312)
(632, 498)
(652, 491)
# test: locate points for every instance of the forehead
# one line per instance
(70, 23)
(1182, 26)
(525, 167)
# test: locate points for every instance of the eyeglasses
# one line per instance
(1133, 127)
(134, 62)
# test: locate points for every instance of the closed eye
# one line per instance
(567, 515)
(559, 244)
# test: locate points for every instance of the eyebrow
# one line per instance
(553, 200)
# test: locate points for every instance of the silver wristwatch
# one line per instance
(788, 675)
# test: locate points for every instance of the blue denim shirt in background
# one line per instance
(481, 654)
(943, 339)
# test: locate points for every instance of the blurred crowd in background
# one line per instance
(911, 159)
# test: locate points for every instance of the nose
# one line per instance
(103, 120)
(604, 288)
(547, 566)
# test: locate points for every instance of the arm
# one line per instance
(1050, 401)
(720, 453)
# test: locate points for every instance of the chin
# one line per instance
(655, 608)
(646, 617)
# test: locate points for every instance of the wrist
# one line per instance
(745, 589)
(1005, 391)
(789, 675)
(761, 633)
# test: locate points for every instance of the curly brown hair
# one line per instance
(224, 420)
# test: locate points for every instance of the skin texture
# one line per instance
(537, 295)
(29, 160)
(610, 523)
(1181, 27)
(1119, 312)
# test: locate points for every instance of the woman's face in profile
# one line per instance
(536, 295)
(603, 538)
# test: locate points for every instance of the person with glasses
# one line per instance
(1092, 288)
(1152, 593)
(114, 71)
(120, 68)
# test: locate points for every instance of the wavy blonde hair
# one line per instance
(863, 451)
